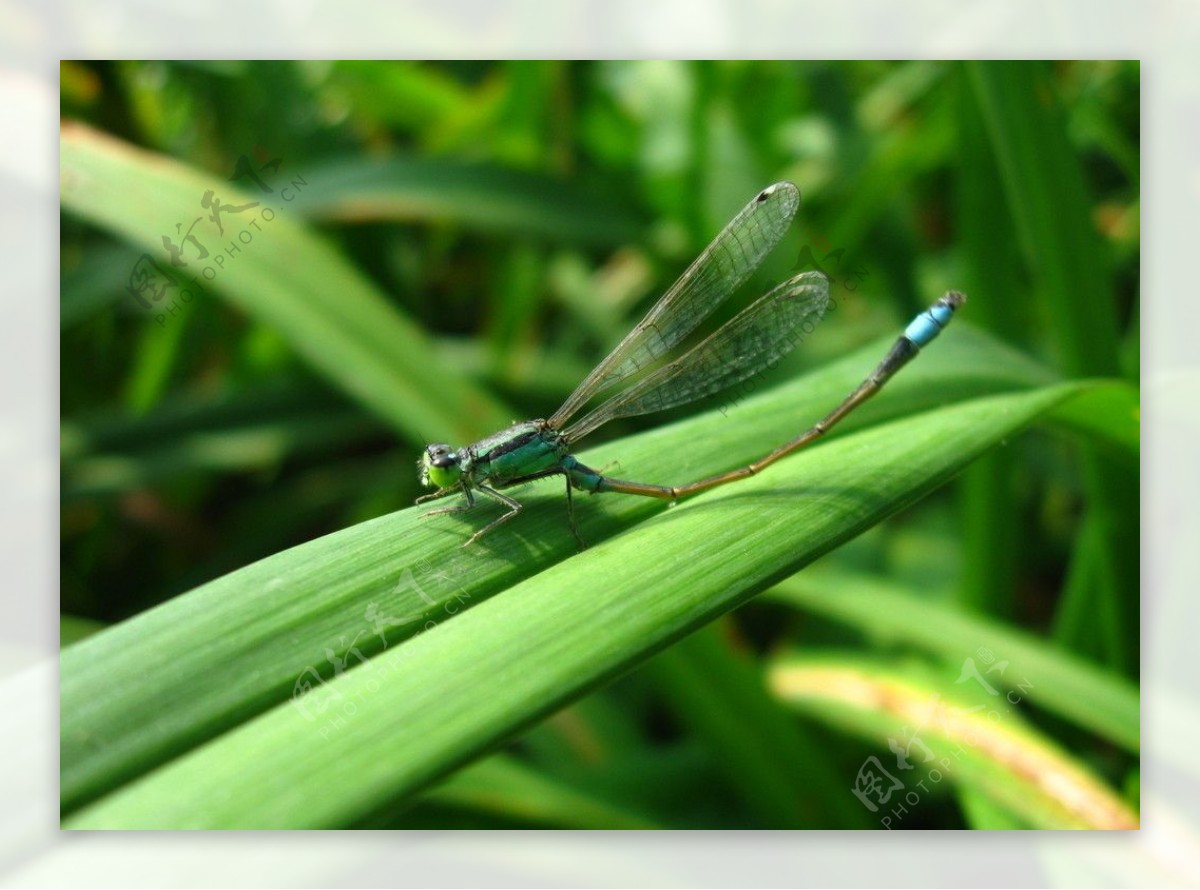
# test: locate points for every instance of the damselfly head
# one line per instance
(440, 467)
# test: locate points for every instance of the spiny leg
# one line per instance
(513, 505)
(457, 508)
(542, 474)
(571, 514)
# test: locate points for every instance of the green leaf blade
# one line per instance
(456, 689)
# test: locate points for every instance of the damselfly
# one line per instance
(751, 341)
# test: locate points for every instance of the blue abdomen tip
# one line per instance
(929, 323)
(922, 329)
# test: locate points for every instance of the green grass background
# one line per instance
(258, 629)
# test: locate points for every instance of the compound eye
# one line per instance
(441, 456)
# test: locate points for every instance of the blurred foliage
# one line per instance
(463, 241)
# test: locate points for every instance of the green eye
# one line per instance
(444, 477)
(441, 466)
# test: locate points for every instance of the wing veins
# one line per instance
(755, 338)
(718, 271)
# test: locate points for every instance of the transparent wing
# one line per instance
(754, 339)
(724, 265)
